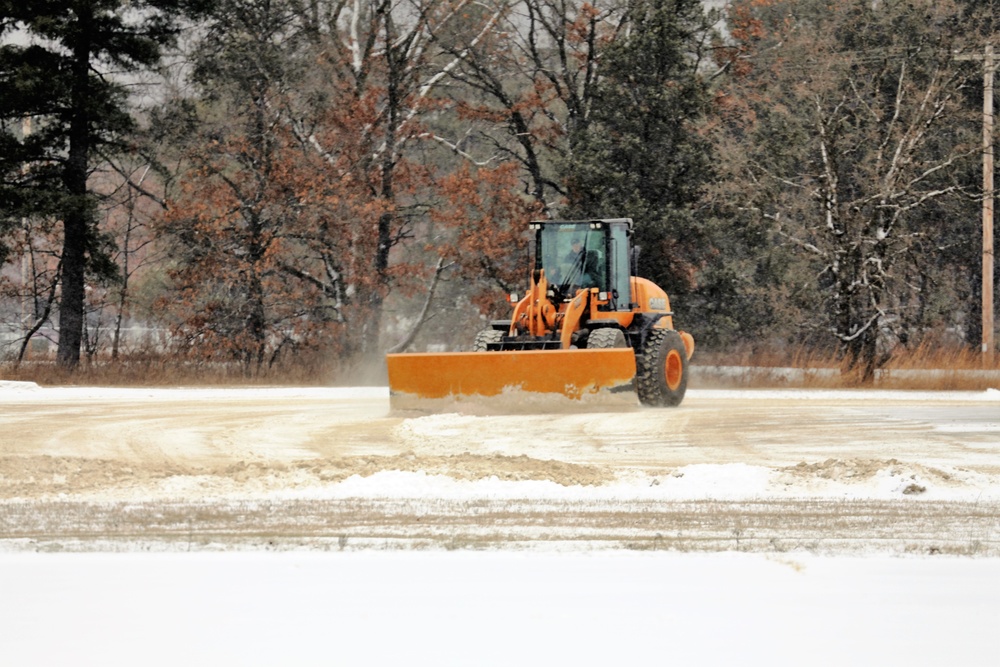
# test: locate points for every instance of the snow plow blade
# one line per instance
(425, 381)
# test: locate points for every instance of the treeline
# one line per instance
(268, 181)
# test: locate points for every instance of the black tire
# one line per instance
(662, 369)
(484, 338)
(606, 338)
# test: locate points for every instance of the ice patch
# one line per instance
(968, 428)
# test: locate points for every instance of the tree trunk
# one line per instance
(256, 323)
(71, 303)
(76, 219)
(395, 61)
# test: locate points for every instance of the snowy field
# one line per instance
(315, 526)
(497, 608)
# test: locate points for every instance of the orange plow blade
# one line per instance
(417, 380)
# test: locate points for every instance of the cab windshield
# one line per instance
(572, 256)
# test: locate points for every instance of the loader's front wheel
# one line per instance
(661, 369)
(484, 338)
(607, 338)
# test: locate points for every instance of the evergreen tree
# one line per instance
(62, 67)
(639, 154)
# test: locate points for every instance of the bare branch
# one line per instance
(802, 244)
(137, 186)
(458, 151)
(440, 268)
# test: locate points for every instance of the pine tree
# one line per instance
(639, 154)
(68, 79)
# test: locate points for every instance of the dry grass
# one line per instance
(928, 367)
(166, 371)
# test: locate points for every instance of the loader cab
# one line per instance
(586, 253)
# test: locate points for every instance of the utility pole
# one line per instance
(989, 67)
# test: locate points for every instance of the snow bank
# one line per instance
(726, 482)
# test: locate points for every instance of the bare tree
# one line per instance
(533, 78)
(857, 134)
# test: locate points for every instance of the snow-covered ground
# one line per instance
(116, 444)
(497, 608)
(872, 522)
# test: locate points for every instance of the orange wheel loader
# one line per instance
(586, 327)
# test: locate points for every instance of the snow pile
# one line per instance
(731, 482)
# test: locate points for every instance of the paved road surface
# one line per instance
(811, 468)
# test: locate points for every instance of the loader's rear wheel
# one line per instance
(661, 369)
(606, 338)
(484, 338)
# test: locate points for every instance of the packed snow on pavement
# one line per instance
(135, 444)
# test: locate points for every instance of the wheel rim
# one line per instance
(674, 369)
